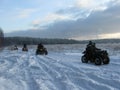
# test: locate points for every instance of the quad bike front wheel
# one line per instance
(98, 61)
(106, 60)
(84, 60)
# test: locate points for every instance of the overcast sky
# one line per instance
(76, 19)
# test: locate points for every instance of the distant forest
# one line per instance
(34, 41)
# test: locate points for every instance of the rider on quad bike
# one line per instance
(15, 47)
(41, 50)
(24, 48)
(95, 55)
(90, 51)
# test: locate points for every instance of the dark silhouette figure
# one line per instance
(40, 45)
(24, 48)
(90, 50)
(41, 50)
(90, 44)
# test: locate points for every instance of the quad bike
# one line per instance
(41, 51)
(24, 48)
(15, 48)
(98, 57)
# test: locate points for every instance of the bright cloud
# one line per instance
(110, 35)
(50, 18)
(25, 13)
(93, 4)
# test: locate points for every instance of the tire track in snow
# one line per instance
(50, 73)
(29, 79)
(71, 71)
(8, 73)
(21, 71)
(59, 74)
(101, 82)
(7, 65)
(91, 80)
(43, 78)
(53, 73)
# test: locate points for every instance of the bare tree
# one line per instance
(1, 38)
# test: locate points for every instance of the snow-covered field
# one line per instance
(61, 69)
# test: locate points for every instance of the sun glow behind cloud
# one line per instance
(92, 4)
(100, 36)
(110, 35)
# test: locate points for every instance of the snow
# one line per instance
(61, 69)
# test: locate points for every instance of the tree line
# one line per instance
(34, 41)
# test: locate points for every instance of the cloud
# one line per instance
(96, 24)
(35, 23)
(93, 4)
(86, 3)
(50, 18)
(83, 8)
(77, 23)
(109, 35)
(25, 13)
